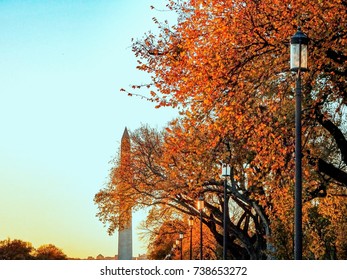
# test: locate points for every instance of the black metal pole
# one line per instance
(181, 249)
(225, 216)
(200, 234)
(191, 244)
(298, 174)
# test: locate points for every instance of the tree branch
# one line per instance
(332, 171)
(335, 132)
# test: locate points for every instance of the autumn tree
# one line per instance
(162, 228)
(226, 62)
(21, 250)
(16, 250)
(169, 175)
(49, 252)
(225, 66)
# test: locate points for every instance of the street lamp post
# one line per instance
(298, 64)
(201, 206)
(225, 174)
(173, 249)
(190, 223)
(181, 240)
(178, 245)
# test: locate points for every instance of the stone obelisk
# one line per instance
(125, 240)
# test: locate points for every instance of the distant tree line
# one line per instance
(21, 250)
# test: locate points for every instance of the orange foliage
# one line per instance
(225, 65)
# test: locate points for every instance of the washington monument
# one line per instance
(125, 241)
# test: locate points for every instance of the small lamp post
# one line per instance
(181, 241)
(173, 249)
(177, 244)
(201, 206)
(298, 64)
(191, 223)
(225, 173)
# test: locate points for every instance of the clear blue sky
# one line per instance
(62, 64)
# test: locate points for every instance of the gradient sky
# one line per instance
(62, 115)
